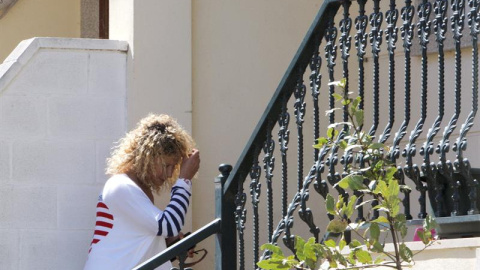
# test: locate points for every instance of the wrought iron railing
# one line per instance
(383, 33)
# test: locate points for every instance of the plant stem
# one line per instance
(395, 242)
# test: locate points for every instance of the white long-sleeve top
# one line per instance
(129, 228)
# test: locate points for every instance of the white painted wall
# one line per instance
(62, 104)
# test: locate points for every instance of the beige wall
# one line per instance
(159, 61)
(241, 50)
(38, 18)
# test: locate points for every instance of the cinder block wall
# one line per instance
(62, 104)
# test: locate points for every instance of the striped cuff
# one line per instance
(184, 183)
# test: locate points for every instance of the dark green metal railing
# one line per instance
(181, 247)
(406, 23)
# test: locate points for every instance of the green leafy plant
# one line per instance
(374, 179)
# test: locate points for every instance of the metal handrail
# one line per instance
(182, 246)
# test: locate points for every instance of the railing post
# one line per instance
(226, 240)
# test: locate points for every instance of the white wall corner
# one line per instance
(26, 49)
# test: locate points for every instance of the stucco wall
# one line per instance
(62, 104)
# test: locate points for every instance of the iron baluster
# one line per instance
(376, 33)
(361, 22)
(268, 166)
(283, 137)
(286, 223)
(333, 176)
(315, 78)
(412, 170)
(305, 213)
(345, 45)
(407, 30)
(361, 43)
(462, 164)
(181, 262)
(429, 168)
(445, 167)
(225, 247)
(320, 184)
(330, 56)
(284, 226)
(299, 93)
(255, 189)
(391, 17)
(240, 218)
(376, 19)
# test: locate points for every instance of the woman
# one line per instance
(129, 229)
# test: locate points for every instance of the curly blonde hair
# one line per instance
(142, 149)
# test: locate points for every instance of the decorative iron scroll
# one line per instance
(283, 139)
(268, 166)
(300, 105)
(255, 189)
(305, 213)
(331, 56)
(315, 80)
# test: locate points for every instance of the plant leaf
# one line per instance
(330, 243)
(374, 231)
(376, 146)
(363, 256)
(299, 246)
(337, 226)
(277, 263)
(337, 97)
(380, 219)
(359, 117)
(330, 204)
(355, 244)
(350, 147)
(354, 182)
(350, 208)
(273, 248)
(320, 142)
(342, 244)
(405, 253)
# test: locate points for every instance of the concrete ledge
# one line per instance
(442, 244)
(26, 49)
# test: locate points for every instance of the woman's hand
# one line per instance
(190, 165)
(172, 240)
